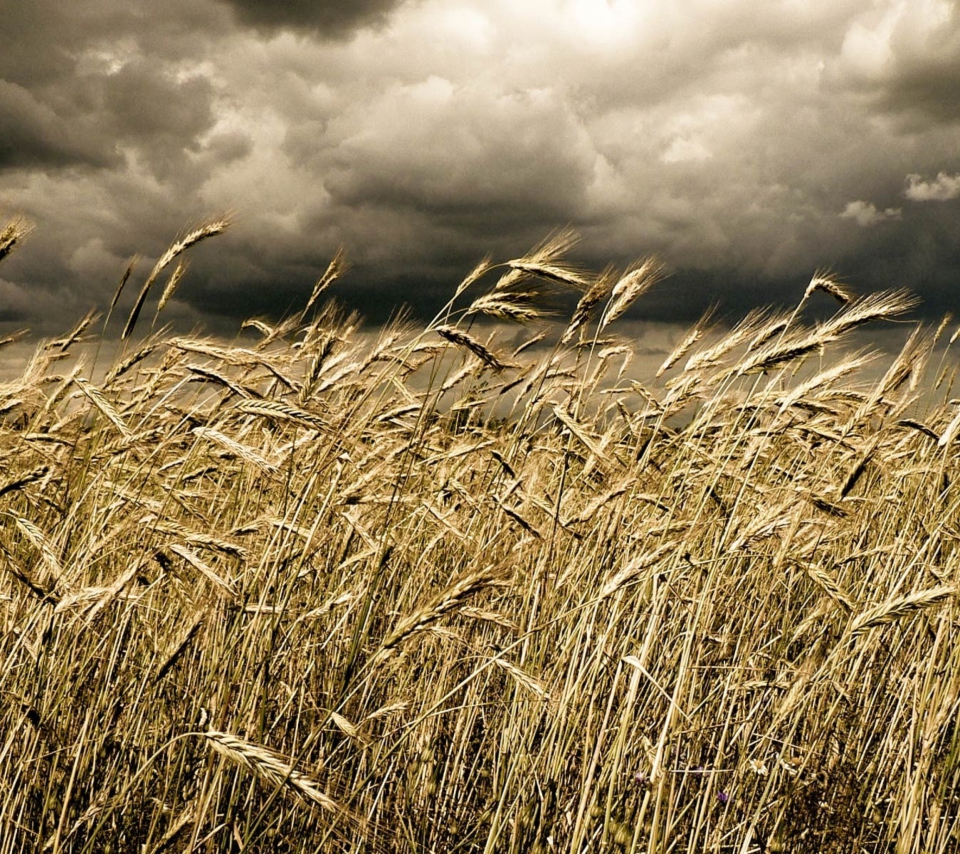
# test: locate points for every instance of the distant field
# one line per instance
(424, 592)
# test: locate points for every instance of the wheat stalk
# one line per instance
(13, 337)
(73, 336)
(24, 480)
(336, 268)
(235, 356)
(846, 366)
(215, 543)
(950, 430)
(879, 306)
(221, 379)
(545, 256)
(683, 347)
(278, 411)
(829, 585)
(779, 352)
(629, 573)
(41, 542)
(513, 306)
(202, 233)
(567, 419)
(595, 294)
(205, 570)
(601, 501)
(123, 281)
(171, 287)
(553, 272)
(476, 273)
(752, 324)
(176, 648)
(92, 600)
(823, 280)
(43, 591)
(522, 678)
(235, 447)
(127, 363)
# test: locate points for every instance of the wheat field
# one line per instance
(318, 589)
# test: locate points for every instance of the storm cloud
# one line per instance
(330, 19)
(745, 143)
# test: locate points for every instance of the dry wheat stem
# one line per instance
(823, 280)
(685, 344)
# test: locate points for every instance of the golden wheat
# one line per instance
(504, 604)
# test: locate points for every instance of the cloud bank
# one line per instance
(729, 138)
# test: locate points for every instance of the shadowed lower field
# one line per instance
(423, 593)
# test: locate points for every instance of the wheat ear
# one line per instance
(631, 287)
(11, 234)
(896, 609)
(468, 342)
(271, 767)
(444, 602)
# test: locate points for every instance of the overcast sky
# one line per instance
(747, 142)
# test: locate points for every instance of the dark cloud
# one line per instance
(15, 303)
(866, 214)
(145, 102)
(33, 134)
(86, 85)
(453, 152)
(29, 55)
(330, 18)
(146, 108)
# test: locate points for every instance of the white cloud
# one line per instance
(941, 189)
(867, 214)
(904, 55)
(681, 150)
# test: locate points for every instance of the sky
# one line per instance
(746, 143)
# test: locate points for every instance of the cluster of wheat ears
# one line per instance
(322, 589)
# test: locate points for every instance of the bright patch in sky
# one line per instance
(604, 23)
(680, 150)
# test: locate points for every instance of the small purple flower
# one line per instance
(723, 797)
(640, 778)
